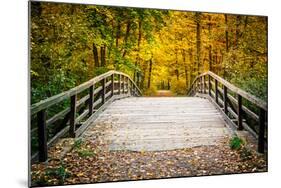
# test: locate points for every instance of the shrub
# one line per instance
(236, 143)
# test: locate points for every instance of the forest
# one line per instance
(159, 49)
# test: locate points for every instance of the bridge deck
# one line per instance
(157, 124)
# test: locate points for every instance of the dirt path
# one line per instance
(164, 93)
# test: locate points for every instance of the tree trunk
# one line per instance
(210, 46)
(198, 40)
(149, 73)
(191, 65)
(128, 28)
(237, 32)
(96, 56)
(118, 30)
(102, 52)
(139, 42)
(226, 33)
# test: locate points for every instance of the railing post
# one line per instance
(123, 85)
(209, 84)
(225, 99)
(112, 84)
(91, 99)
(127, 85)
(239, 112)
(200, 85)
(261, 130)
(216, 91)
(130, 87)
(72, 115)
(42, 136)
(204, 84)
(119, 83)
(103, 81)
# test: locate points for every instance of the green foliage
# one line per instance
(63, 37)
(236, 143)
(77, 143)
(59, 173)
(86, 153)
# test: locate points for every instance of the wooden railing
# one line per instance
(98, 93)
(240, 108)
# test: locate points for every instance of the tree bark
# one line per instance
(210, 46)
(96, 56)
(198, 40)
(118, 30)
(128, 28)
(226, 33)
(149, 73)
(102, 52)
(139, 42)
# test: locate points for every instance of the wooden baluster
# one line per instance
(72, 115)
(239, 112)
(204, 84)
(261, 130)
(91, 99)
(112, 85)
(123, 85)
(42, 136)
(209, 85)
(119, 82)
(127, 85)
(200, 85)
(103, 81)
(216, 91)
(130, 87)
(225, 99)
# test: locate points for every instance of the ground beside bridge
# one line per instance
(151, 137)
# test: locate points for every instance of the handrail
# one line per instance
(60, 97)
(104, 94)
(232, 106)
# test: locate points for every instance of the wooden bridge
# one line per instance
(212, 109)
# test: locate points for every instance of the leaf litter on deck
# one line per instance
(93, 162)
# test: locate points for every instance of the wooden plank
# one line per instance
(60, 134)
(42, 136)
(108, 83)
(72, 116)
(103, 91)
(225, 101)
(261, 133)
(216, 91)
(119, 80)
(145, 123)
(91, 100)
(97, 102)
(239, 114)
(93, 117)
(57, 116)
(112, 84)
(64, 95)
(260, 103)
(81, 116)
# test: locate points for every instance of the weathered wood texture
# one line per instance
(162, 123)
(230, 98)
(96, 100)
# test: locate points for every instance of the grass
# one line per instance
(59, 173)
(236, 143)
(86, 153)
